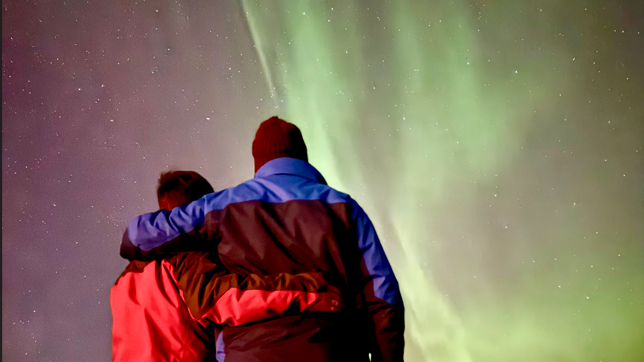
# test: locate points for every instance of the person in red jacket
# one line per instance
(166, 310)
(288, 220)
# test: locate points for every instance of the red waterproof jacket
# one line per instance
(166, 310)
(288, 220)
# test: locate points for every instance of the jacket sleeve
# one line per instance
(213, 295)
(163, 233)
(380, 293)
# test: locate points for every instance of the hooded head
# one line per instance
(276, 138)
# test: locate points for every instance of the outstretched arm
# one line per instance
(213, 295)
(380, 291)
(162, 233)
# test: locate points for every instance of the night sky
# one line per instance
(497, 145)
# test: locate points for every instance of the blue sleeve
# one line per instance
(380, 291)
(378, 269)
(161, 233)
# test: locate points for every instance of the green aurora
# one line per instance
(498, 148)
(497, 145)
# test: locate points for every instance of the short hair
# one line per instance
(178, 188)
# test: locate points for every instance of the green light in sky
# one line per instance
(469, 132)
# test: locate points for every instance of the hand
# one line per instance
(336, 303)
(322, 296)
(328, 301)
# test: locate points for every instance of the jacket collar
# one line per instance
(290, 166)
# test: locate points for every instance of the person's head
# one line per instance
(178, 188)
(277, 138)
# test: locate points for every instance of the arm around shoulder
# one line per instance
(163, 233)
